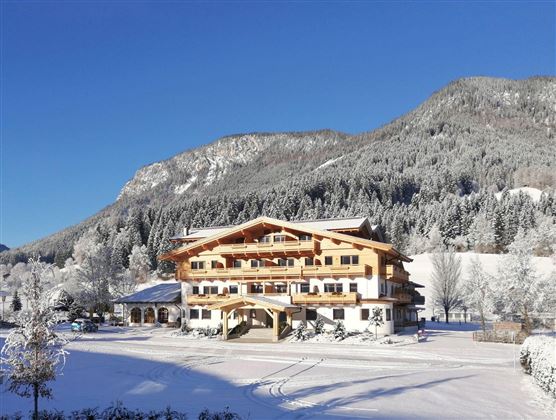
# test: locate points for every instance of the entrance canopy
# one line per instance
(255, 301)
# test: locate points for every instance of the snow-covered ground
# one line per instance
(421, 268)
(447, 376)
(534, 193)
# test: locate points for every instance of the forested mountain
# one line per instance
(430, 175)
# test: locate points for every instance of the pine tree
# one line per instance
(15, 305)
(33, 351)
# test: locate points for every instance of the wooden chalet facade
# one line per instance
(276, 274)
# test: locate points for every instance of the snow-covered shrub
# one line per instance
(319, 326)
(300, 333)
(340, 331)
(226, 414)
(537, 358)
(185, 327)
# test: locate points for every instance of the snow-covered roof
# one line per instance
(319, 224)
(161, 293)
(334, 224)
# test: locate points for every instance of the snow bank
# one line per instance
(365, 338)
(538, 359)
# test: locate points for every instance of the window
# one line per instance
(279, 238)
(206, 314)
(214, 264)
(237, 263)
(252, 313)
(382, 288)
(233, 289)
(210, 290)
(257, 263)
(364, 314)
(281, 288)
(193, 314)
(264, 239)
(282, 262)
(337, 314)
(333, 287)
(305, 237)
(135, 316)
(388, 314)
(195, 290)
(309, 261)
(353, 287)
(197, 265)
(163, 315)
(311, 315)
(304, 288)
(149, 316)
(256, 288)
(327, 260)
(349, 259)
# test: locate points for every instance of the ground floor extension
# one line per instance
(280, 315)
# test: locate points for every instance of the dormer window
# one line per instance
(283, 262)
(237, 263)
(279, 238)
(305, 237)
(265, 239)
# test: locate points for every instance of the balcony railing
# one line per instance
(325, 298)
(396, 273)
(336, 270)
(418, 300)
(277, 272)
(202, 299)
(267, 248)
(403, 297)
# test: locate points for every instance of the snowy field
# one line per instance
(447, 376)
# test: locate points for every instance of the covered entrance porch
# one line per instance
(242, 305)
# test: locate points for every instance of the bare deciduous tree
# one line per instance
(446, 277)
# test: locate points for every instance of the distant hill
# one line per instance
(439, 165)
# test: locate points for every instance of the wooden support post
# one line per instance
(289, 319)
(225, 326)
(275, 326)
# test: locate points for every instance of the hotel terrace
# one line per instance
(268, 273)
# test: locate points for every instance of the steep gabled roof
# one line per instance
(300, 227)
(161, 293)
(340, 224)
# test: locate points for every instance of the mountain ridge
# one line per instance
(475, 134)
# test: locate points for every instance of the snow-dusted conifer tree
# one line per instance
(139, 263)
(16, 302)
(33, 352)
(446, 280)
(477, 291)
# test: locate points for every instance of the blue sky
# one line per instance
(91, 91)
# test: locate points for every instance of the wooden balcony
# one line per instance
(267, 250)
(277, 272)
(403, 297)
(418, 300)
(327, 298)
(202, 299)
(336, 270)
(393, 272)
